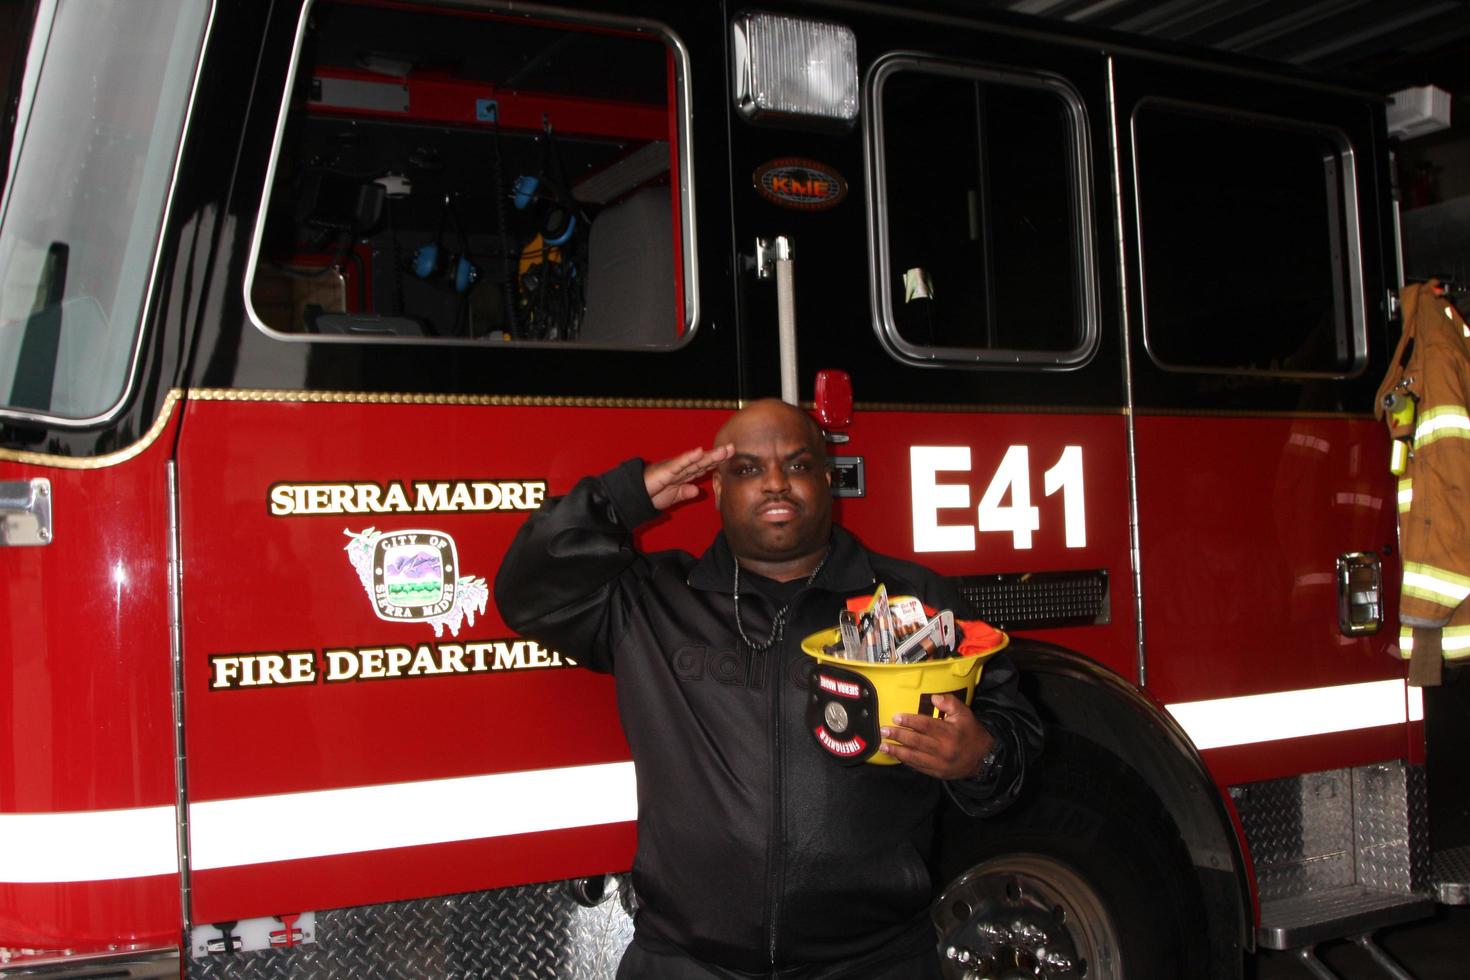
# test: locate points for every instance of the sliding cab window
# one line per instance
(1248, 231)
(95, 98)
(980, 200)
(473, 177)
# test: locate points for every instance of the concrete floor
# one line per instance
(1432, 949)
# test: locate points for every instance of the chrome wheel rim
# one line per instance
(1024, 917)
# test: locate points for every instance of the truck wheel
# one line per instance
(1085, 877)
(1026, 915)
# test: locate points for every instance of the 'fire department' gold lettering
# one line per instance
(432, 659)
(439, 497)
(238, 670)
(232, 671)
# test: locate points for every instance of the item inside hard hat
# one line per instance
(889, 655)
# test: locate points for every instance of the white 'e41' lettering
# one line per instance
(1011, 480)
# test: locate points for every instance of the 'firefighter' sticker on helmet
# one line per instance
(413, 577)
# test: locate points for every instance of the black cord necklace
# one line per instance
(778, 624)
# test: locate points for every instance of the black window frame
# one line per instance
(1356, 309)
(1084, 264)
(685, 191)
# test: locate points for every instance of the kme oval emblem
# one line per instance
(805, 185)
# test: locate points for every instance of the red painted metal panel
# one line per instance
(259, 582)
(1241, 522)
(1314, 753)
(85, 680)
(91, 916)
(884, 517)
(1415, 750)
(452, 100)
(356, 879)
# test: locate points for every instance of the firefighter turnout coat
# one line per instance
(1432, 366)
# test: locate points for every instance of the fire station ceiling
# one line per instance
(1392, 43)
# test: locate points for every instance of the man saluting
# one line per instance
(758, 856)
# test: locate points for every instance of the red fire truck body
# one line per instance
(250, 660)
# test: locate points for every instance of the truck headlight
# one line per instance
(790, 69)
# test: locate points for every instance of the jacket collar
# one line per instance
(847, 569)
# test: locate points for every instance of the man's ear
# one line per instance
(714, 482)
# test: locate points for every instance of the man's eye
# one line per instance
(798, 467)
(746, 469)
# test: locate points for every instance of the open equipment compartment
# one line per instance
(474, 176)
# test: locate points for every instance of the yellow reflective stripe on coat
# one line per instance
(1454, 642)
(1398, 457)
(1406, 494)
(1435, 584)
(1441, 422)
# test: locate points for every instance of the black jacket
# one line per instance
(756, 850)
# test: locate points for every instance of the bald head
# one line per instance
(773, 491)
(771, 413)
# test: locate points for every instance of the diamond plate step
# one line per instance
(534, 932)
(1304, 920)
(1451, 878)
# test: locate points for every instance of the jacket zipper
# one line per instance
(777, 796)
(778, 807)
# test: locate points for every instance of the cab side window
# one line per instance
(1249, 243)
(472, 177)
(96, 99)
(981, 245)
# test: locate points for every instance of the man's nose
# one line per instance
(775, 480)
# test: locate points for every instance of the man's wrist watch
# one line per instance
(990, 765)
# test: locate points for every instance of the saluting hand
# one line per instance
(672, 480)
(951, 747)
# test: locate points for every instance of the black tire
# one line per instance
(1085, 876)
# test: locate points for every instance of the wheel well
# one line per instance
(1096, 837)
(1078, 695)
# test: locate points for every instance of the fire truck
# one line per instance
(305, 305)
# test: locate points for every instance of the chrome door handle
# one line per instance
(25, 512)
(1359, 593)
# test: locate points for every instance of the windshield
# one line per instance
(99, 97)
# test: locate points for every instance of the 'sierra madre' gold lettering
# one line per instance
(442, 497)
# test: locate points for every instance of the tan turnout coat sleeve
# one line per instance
(1434, 491)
